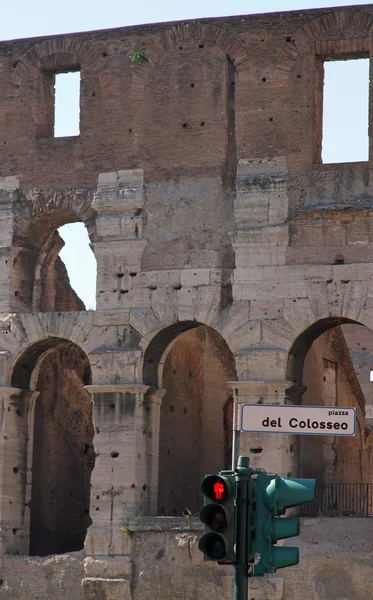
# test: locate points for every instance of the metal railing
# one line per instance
(341, 500)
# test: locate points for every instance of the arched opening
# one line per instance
(192, 363)
(328, 369)
(82, 273)
(39, 279)
(61, 282)
(63, 454)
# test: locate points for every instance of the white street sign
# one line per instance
(305, 420)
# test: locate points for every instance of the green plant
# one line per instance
(125, 527)
(138, 58)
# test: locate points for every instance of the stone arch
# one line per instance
(164, 42)
(55, 53)
(198, 305)
(192, 363)
(303, 343)
(60, 442)
(356, 22)
(40, 281)
(20, 331)
(36, 211)
(33, 77)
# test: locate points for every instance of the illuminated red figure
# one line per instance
(219, 490)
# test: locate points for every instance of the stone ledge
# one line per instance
(110, 567)
(108, 589)
(165, 524)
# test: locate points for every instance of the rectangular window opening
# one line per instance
(66, 104)
(371, 375)
(345, 111)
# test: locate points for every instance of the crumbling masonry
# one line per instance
(224, 248)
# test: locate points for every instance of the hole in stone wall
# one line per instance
(66, 104)
(339, 260)
(80, 262)
(345, 111)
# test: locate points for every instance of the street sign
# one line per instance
(304, 420)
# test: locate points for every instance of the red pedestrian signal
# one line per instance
(215, 488)
(219, 490)
(218, 517)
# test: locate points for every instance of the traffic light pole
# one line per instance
(243, 527)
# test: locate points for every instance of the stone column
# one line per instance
(276, 453)
(16, 453)
(124, 481)
(11, 277)
(119, 246)
(153, 413)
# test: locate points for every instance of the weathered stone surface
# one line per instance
(57, 577)
(226, 251)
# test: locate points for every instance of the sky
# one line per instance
(43, 17)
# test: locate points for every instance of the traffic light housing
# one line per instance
(274, 494)
(218, 518)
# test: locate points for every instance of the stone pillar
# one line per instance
(261, 233)
(153, 412)
(13, 282)
(119, 246)
(124, 481)
(16, 453)
(276, 453)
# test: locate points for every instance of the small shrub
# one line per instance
(138, 58)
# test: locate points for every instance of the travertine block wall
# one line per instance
(198, 176)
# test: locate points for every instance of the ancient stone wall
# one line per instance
(198, 175)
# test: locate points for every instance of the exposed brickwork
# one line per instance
(225, 252)
(115, 97)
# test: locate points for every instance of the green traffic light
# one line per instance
(281, 528)
(274, 494)
(282, 493)
(287, 556)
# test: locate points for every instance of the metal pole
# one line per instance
(236, 432)
(243, 475)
